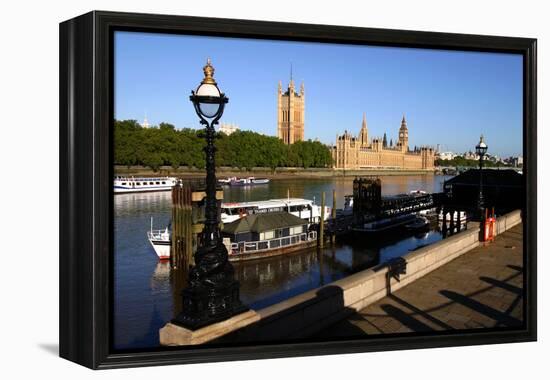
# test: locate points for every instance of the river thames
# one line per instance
(144, 293)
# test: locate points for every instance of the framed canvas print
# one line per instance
(237, 190)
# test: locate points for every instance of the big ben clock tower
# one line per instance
(403, 140)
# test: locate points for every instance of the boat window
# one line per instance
(164, 183)
(157, 183)
(151, 183)
(123, 183)
(138, 184)
(296, 230)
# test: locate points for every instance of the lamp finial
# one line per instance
(208, 70)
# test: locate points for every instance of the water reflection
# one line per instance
(147, 292)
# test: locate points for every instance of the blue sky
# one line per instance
(447, 97)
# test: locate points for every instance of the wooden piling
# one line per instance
(181, 251)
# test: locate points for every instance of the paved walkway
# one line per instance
(482, 288)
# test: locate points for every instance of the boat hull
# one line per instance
(162, 248)
(122, 190)
(256, 255)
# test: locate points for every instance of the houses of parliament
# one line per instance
(360, 152)
(351, 152)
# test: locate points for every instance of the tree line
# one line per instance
(469, 163)
(166, 145)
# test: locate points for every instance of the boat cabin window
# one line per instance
(157, 183)
(151, 183)
(231, 211)
(164, 183)
(267, 235)
(296, 230)
(123, 183)
(138, 184)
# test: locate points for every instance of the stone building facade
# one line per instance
(228, 128)
(361, 152)
(291, 113)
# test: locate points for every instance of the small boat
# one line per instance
(142, 184)
(226, 181)
(419, 224)
(249, 181)
(160, 241)
(260, 181)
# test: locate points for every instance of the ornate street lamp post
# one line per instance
(212, 294)
(481, 149)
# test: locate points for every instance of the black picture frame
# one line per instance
(86, 114)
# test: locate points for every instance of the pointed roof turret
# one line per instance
(364, 133)
(403, 123)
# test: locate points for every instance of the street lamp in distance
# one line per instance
(481, 150)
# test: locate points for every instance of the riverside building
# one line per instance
(361, 152)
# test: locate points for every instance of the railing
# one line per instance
(262, 245)
(158, 235)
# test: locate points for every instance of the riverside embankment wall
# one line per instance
(308, 313)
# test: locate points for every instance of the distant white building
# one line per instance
(228, 128)
(470, 156)
(145, 123)
(447, 155)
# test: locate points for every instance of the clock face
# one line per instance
(401, 134)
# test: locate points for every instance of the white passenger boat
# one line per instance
(249, 181)
(302, 208)
(160, 241)
(142, 184)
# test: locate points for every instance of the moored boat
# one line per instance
(160, 241)
(249, 181)
(226, 181)
(303, 208)
(267, 234)
(142, 184)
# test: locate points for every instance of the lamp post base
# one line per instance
(213, 293)
(205, 305)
